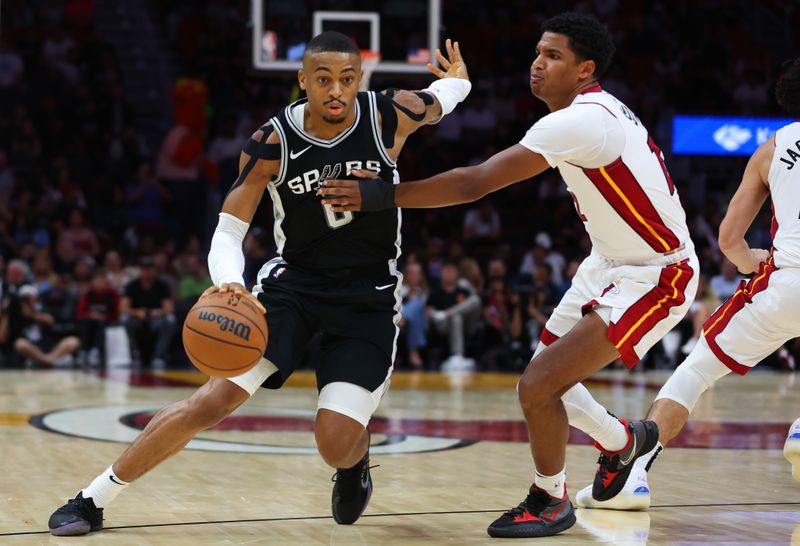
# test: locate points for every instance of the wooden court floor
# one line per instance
(451, 450)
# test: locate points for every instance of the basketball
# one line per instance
(225, 334)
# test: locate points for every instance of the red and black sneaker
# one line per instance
(539, 515)
(615, 467)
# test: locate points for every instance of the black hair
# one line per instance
(787, 92)
(330, 40)
(588, 38)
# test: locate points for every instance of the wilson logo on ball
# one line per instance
(227, 324)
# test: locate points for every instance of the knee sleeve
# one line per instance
(694, 376)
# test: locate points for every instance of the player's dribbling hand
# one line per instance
(237, 289)
(453, 65)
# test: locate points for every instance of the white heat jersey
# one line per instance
(616, 175)
(784, 187)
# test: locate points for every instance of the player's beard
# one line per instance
(334, 121)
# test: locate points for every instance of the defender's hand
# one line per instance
(344, 195)
(341, 195)
(453, 65)
(237, 289)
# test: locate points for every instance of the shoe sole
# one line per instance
(533, 532)
(624, 500)
(791, 452)
(619, 481)
(73, 529)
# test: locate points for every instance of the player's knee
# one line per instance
(337, 437)
(533, 390)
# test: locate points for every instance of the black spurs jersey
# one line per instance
(310, 235)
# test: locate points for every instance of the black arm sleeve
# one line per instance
(388, 118)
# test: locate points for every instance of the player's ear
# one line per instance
(301, 79)
(587, 69)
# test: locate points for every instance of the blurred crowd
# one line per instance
(103, 236)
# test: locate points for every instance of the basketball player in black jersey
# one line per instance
(335, 274)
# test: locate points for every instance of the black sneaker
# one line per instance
(352, 491)
(78, 517)
(539, 515)
(614, 468)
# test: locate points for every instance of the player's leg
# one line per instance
(738, 335)
(175, 425)
(578, 354)
(583, 411)
(166, 434)
(670, 412)
(352, 377)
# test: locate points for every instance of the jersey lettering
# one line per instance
(793, 156)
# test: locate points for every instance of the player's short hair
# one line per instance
(787, 92)
(331, 41)
(588, 38)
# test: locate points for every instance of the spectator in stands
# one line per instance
(77, 240)
(726, 282)
(42, 267)
(146, 199)
(194, 281)
(454, 312)
(27, 329)
(503, 319)
(118, 275)
(7, 179)
(414, 324)
(147, 311)
(11, 70)
(165, 272)
(482, 224)
(97, 309)
(542, 299)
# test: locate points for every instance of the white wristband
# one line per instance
(449, 92)
(225, 258)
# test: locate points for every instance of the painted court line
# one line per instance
(443, 513)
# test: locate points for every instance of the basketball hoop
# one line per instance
(369, 61)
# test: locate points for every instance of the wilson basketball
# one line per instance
(224, 334)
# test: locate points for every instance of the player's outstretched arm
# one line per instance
(456, 186)
(225, 258)
(415, 108)
(743, 208)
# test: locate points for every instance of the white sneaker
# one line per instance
(635, 494)
(791, 449)
(612, 527)
(457, 363)
(64, 361)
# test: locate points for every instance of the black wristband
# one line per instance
(376, 194)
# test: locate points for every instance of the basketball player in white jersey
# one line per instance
(636, 285)
(764, 312)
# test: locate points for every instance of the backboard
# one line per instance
(404, 32)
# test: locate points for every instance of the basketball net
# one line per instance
(369, 61)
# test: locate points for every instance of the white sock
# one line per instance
(586, 414)
(554, 485)
(105, 488)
